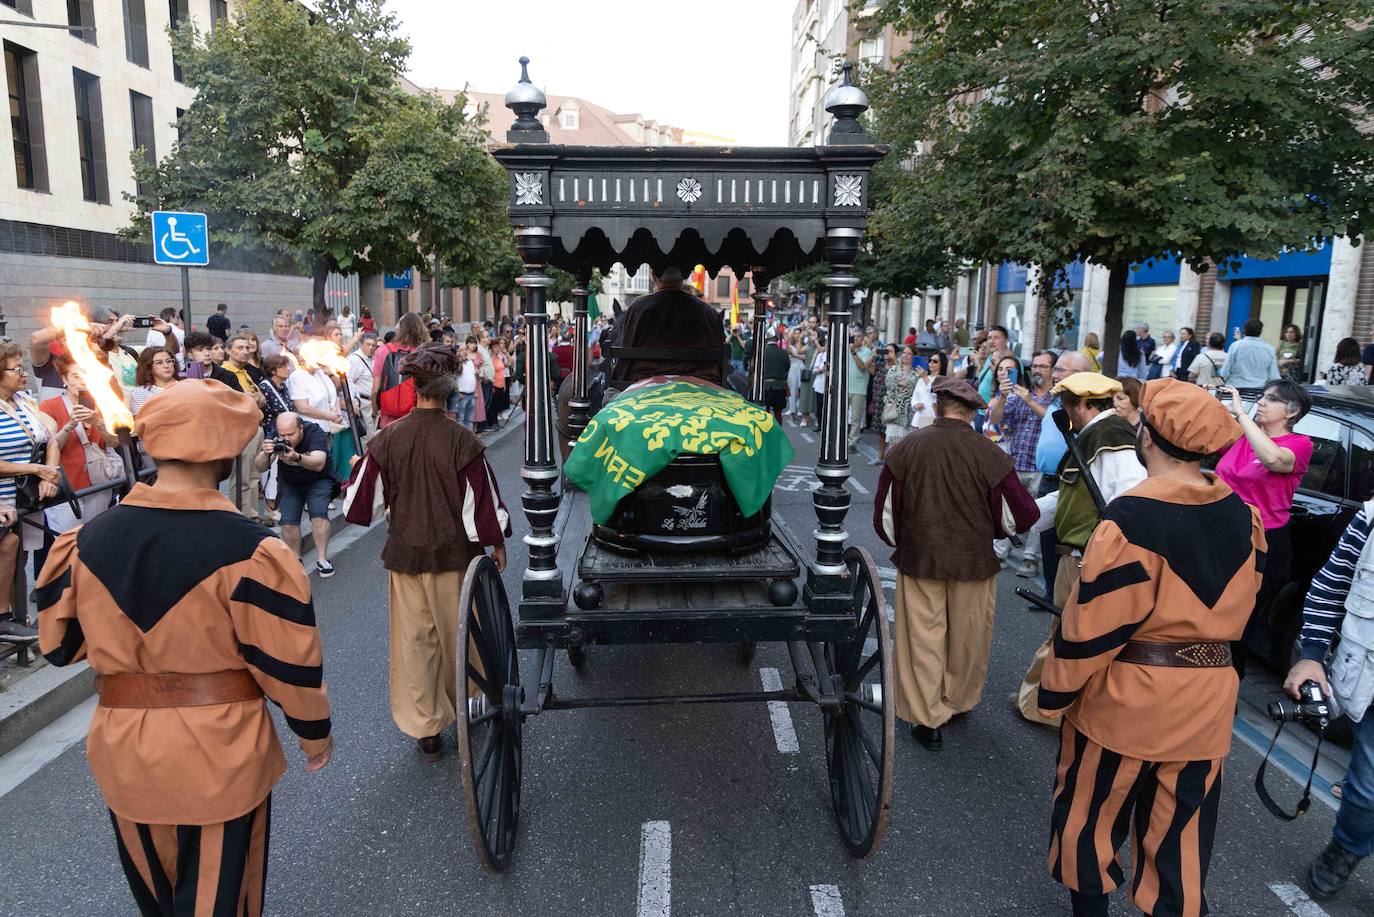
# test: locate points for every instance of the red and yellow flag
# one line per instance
(734, 300)
(698, 279)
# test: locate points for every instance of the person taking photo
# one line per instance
(300, 452)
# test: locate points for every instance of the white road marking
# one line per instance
(807, 437)
(866, 451)
(655, 870)
(45, 745)
(784, 734)
(826, 901)
(1296, 900)
(854, 482)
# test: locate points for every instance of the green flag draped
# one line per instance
(593, 310)
(635, 437)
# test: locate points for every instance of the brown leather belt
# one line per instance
(177, 690)
(1181, 655)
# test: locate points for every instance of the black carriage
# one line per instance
(763, 210)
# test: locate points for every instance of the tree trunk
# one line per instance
(1116, 304)
(319, 271)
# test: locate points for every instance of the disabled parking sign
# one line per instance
(181, 238)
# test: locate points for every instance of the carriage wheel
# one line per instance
(859, 735)
(747, 650)
(577, 656)
(489, 740)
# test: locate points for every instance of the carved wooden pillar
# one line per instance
(579, 405)
(831, 500)
(759, 275)
(540, 471)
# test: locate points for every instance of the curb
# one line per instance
(39, 699)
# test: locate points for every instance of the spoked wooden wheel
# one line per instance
(489, 717)
(859, 735)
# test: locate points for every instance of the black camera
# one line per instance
(1311, 708)
(280, 446)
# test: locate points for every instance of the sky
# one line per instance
(717, 66)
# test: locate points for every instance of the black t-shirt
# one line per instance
(218, 326)
(314, 440)
(1367, 358)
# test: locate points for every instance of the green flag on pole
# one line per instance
(635, 437)
(592, 309)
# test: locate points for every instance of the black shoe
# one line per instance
(11, 631)
(431, 748)
(930, 736)
(1330, 871)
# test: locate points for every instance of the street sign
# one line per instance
(180, 238)
(403, 281)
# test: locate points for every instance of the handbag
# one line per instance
(26, 497)
(890, 413)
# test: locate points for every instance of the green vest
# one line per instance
(1077, 515)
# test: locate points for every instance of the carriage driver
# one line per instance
(669, 317)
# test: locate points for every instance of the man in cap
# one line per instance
(1141, 668)
(943, 496)
(444, 510)
(1107, 444)
(191, 615)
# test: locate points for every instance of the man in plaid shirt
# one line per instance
(1020, 410)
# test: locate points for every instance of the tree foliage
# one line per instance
(1045, 131)
(301, 138)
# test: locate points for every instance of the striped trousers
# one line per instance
(197, 870)
(1169, 809)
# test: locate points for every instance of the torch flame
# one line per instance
(318, 352)
(76, 334)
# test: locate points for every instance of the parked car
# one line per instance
(1338, 481)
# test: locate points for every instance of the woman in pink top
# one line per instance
(1264, 468)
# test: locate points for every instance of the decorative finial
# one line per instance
(526, 100)
(847, 102)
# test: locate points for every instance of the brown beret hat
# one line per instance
(1188, 416)
(959, 390)
(197, 420)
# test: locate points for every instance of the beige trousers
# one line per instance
(944, 634)
(424, 636)
(1028, 695)
(247, 497)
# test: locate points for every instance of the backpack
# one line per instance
(395, 396)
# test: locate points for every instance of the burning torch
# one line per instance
(324, 353)
(100, 381)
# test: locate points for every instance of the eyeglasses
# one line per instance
(1272, 398)
(16, 369)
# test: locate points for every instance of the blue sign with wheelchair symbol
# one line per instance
(181, 238)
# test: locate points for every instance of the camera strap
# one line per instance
(1306, 801)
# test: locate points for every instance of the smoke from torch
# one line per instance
(76, 334)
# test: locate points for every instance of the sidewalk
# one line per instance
(34, 696)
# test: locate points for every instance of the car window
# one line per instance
(1326, 474)
(1361, 465)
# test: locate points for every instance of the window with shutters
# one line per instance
(141, 109)
(81, 18)
(135, 32)
(219, 9)
(176, 14)
(90, 137)
(26, 117)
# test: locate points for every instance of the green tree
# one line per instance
(1048, 131)
(301, 139)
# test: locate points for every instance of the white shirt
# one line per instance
(467, 378)
(818, 373)
(924, 399)
(316, 389)
(359, 381)
(1115, 471)
(1206, 365)
(158, 339)
(346, 325)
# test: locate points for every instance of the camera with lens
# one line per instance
(1311, 708)
(280, 446)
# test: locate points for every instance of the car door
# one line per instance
(1321, 509)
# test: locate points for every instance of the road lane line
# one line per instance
(36, 752)
(655, 870)
(857, 486)
(784, 734)
(867, 452)
(826, 901)
(1283, 759)
(1296, 899)
(807, 437)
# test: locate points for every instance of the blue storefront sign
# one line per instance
(402, 281)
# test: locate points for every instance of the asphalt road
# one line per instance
(690, 810)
